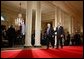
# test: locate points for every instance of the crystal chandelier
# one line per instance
(20, 15)
(19, 19)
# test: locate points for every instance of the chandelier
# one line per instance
(20, 15)
(19, 19)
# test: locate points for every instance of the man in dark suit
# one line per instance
(60, 34)
(11, 35)
(68, 38)
(77, 38)
(49, 35)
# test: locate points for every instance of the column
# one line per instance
(72, 29)
(28, 24)
(38, 24)
(56, 17)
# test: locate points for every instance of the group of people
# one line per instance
(76, 39)
(12, 36)
(49, 36)
(62, 38)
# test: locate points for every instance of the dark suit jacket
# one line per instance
(59, 31)
(51, 32)
(11, 32)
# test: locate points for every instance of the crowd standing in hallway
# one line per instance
(11, 37)
(62, 37)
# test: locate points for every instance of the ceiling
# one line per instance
(71, 7)
(45, 7)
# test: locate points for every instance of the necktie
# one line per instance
(48, 31)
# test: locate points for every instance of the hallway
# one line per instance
(25, 32)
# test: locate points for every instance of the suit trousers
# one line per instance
(59, 40)
(50, 40)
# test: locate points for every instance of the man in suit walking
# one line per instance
(60, 34)
(49, 35)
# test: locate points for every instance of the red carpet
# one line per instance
(66, 52)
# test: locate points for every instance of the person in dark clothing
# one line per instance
(43, 40)
(60, 34)
(77, 38)
(33, 39)
(4, 41)
(4, 34)
(68, 38)
(72, 40)
(11, 35)
(49, 35)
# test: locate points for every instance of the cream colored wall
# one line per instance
(78, 24)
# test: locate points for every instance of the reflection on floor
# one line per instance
(22, 47)
(66, 52)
